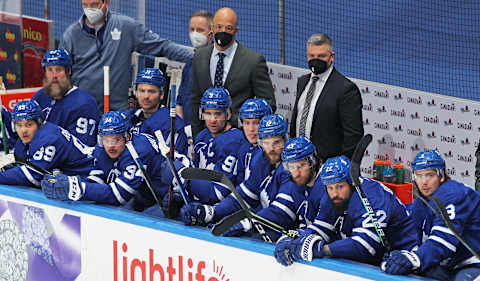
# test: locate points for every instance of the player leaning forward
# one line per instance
(441, 254)
(342, 227)
(115, 178)
(46, 146)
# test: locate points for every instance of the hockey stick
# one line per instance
(165, 153)
(443, 215)
(174, 80)
(227, 222)
(354, 175)
(221, 178)
(146, 177)
(3, 128)
(31, 166)
(106, 88)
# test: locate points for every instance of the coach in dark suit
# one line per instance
(328, 106)
(228, 64)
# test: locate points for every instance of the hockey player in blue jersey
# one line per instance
(64, 104)
(441, 255)
(115, 178)
(216, 146)
(269, 190)
(342, 227)
(251, 112)
(45, 145)
(152, 116)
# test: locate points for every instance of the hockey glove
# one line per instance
(176, 202)
(63, 187)
(307, 247)
(282, 252)
(401, 262)
(197, 214)
(241, 228)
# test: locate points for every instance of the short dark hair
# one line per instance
(203, 14)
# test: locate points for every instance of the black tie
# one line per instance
(306, 105)
(219, 71)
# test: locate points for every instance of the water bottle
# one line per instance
(378, 169)
(388, 172)
(399, 173)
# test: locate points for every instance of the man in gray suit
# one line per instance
(228, 64)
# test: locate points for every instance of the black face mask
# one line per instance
(223, 38)
(317, 66)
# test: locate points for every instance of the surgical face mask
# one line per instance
(93, 14)
(198, 39)
(223, 38)
(317, 66)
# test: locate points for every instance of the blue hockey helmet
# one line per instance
(254, 109)
(113, 123)
(151, 76)
(297, 149)
(216, 98)
(336, 169)
(57, 57)
(429, 159)
(271, 126)
(27, 110)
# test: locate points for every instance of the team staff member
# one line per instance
(101, 38)
(328, 106)
(230, 65)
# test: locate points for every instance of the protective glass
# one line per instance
(273, 144)
(425, 177)
(214, 115)
(112, 140)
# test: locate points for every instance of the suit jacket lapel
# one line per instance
(206, 64)
(323, 94)
(234, 66)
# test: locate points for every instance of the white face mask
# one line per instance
(198, 39)
(93, 14)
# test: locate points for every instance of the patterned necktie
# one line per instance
(306, 105)
(219, 71)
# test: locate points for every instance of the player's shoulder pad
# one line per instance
(233, 137)
(79, 98)
(454, 192)
(203, 136)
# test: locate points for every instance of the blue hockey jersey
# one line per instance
(115, 181)
(51, 148)
(219, 154)
(160, 120)
(77, 112)
(309, 208)
(270, 192)
(243, 168)
(439, 245)
(351, 235)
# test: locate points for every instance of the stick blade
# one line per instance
(357, 157)
(202, 174)
(227, 222)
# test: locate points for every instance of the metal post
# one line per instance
(141, 12)
(281, 16)
(46, 10)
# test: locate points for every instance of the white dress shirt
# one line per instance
(316, 94)
(227, 61)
